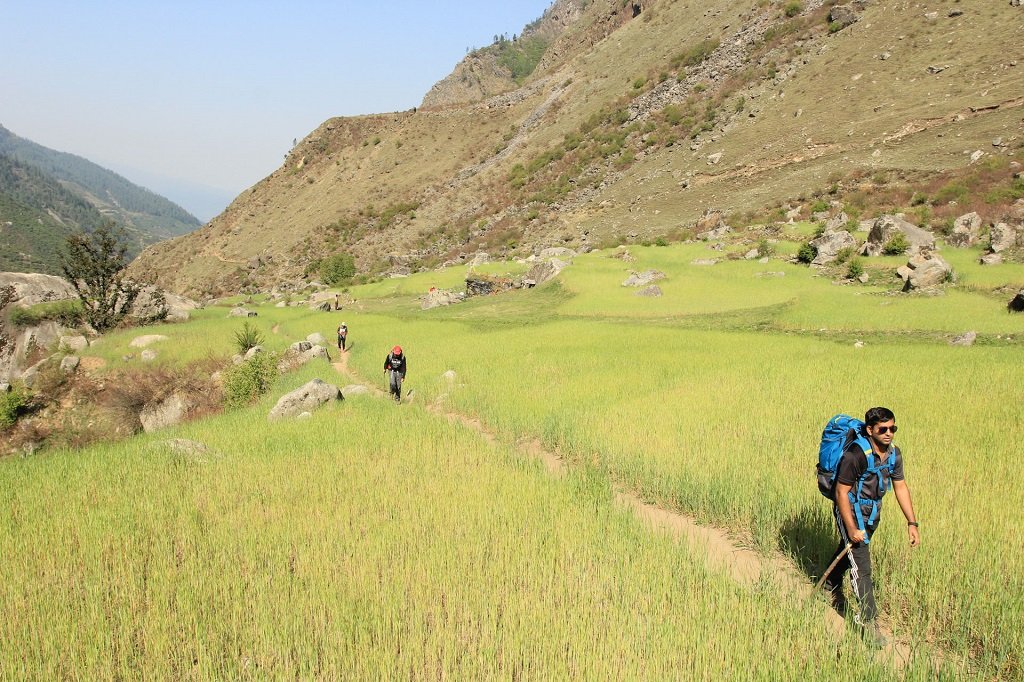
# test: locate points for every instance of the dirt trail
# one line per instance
(745, 566)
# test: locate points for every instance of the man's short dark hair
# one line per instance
(876, 415)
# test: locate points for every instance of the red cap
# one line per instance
(397, 350)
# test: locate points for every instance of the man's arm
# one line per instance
(907, 506)
(846, 513)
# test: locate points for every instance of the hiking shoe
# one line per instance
(872, 635)
(839, 602)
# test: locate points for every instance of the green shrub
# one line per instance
(806, 253)
(12, 405)
(68, 312)
(338, 268)
(661, 241)
(793, 8)
(844, 254)
(765, 249)
(953, 191)
(246, 382)
(896, 246)
(248, 337)
(819, 206)
(854, 268)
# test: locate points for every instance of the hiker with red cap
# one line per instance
(396, 364)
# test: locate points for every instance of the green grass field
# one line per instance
(376, 541)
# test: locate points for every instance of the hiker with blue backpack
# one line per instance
(857, 464)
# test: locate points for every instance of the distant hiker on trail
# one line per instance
(396, 364)
(342, 336)
(868, 466)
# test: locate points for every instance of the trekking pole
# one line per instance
(846, 550)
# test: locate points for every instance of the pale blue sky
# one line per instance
(200, 100)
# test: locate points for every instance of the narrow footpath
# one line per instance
(746, 566)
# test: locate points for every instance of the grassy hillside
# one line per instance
(376, 540)
(617, 132)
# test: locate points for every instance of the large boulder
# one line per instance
(966, 229)
(841, 16)
(887, 226)
(306, 398)
(32, 288)
(75, 343)
(1002, 237)
(484, 285)
(642, 279)
(924, 270)
(300, 346)
(69, 363)
(316, 339)
(829, 244)
(239, 311)
(167, 412)
(544, 270)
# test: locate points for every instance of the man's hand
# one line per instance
(915, 536)
(857, 536)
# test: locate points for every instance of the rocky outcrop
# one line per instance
(829, 244)
(841, 16)
(483, 285)
(923, 271)
(306, 398)
(711, 225)
(32, 288)
(153, 305)
(652, 291)
(888, 226)
(147, 340)
(966, 229)
(241, 312)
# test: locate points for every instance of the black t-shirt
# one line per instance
(396, 363)
(854, 463)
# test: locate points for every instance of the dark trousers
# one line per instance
(341, 343)
(858, 563)
(395, 384)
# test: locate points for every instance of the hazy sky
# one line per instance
(200, 100)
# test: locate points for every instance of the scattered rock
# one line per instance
(642, 279)
(483, 285)
(324, 307)
(441, 297)
(305, 415)
(777, 273)
(143, 341)
(160, 415)
(305, 399)
(863, 278)
(966, 229)
(965, 339)
(69, 364)
(976, 155)
(714, 158)
(923, 271)
(935, 68)
(955, 13)
(623, 254)
(253, 351)
(858, 344)
(751, 255)
(837, 222)
(449, 376)
(560, 252)
(240, 312)
(652, 291)
(885, 228)
(712, 225)
(991, 259)
(704, 261)
(184, 446)
(300, 346)
(148, 355)
(829, 245)
(354, 389)
(479, 259)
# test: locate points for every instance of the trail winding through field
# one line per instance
(746, 566)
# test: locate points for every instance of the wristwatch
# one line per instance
(912, 523)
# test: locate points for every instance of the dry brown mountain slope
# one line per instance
(612, 135)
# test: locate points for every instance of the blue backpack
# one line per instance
(839, 433)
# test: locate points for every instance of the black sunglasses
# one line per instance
(886, 429)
